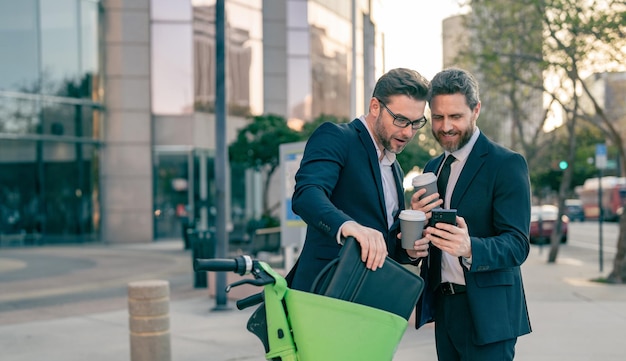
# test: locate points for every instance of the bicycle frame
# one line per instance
(303, 326)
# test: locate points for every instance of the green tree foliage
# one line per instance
(257, 144)
(547, 175)
(257, 147)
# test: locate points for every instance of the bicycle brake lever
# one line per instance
(254, 282)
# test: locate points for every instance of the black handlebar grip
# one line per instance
(215, 264)
(250, 301)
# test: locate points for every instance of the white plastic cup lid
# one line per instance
(424, 179)
(412, 215)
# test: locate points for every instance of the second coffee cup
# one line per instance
(426, 180)
(411, 225)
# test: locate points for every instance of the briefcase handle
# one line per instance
(323, 278)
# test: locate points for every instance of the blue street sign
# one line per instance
(601, 156)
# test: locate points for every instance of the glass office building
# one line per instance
(50, 117)
(107, 130)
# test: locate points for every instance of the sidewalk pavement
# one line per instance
(69, 303)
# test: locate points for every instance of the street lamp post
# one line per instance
(221, 153)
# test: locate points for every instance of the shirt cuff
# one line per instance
(467, 261)
(339, 239)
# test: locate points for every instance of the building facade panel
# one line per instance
(128, 126)
(127, 226)
(127, 25)
(173, 129)
(118, 163)
(94, 148)
(128, 194)
(125, 95)
(128, 94)
(127, 60)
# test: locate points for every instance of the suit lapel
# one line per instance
(473, 165)
(370, 148)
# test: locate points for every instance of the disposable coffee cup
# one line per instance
(426, 180)
(411, 225)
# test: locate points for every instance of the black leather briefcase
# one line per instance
(392, 288)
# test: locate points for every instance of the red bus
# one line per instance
(613, 197)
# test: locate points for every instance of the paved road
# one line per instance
(69, 303)
(587, 235)
(60, 281)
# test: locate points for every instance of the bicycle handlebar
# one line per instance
(241, 265)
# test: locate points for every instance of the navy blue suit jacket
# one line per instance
(492, 194)
(339, 180)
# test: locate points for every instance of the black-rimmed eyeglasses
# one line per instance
(403, 122)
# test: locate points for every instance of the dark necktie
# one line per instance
(444, 174)
(434, 253)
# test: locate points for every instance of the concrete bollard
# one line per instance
(149, 323)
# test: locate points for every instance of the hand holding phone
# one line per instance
(443, 215)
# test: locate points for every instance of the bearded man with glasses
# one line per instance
(350, 184)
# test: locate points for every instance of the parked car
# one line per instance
(574, 210)
(542, 221)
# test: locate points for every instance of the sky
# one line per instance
(413, 33)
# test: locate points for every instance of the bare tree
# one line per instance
(576, 39)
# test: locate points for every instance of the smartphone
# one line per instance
(443, 215)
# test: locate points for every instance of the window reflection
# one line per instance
(172, 73)
(18, 39)
(299, 89)
(66, 193)
(18, 116)
(60, 206)
(47, 163)
(67, 120)
(89, 49)
(170, 10)
(59, 48)
(330, 65)
(18, 200)
(245, 57)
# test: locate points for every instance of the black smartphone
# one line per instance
(443, 215)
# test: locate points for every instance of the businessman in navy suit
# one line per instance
(474, 291)
(350, 184)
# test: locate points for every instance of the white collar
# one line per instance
(388, 157)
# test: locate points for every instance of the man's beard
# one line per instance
(466, 135)
(383, 137)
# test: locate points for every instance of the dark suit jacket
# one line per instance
(339, 180)
(493, 195)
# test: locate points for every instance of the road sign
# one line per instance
(611, 164)
(601, 156)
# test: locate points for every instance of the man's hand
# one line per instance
(373, 246)
(424, 204)
(454, 240)
(420, 248)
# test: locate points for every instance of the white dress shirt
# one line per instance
(451, 270)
